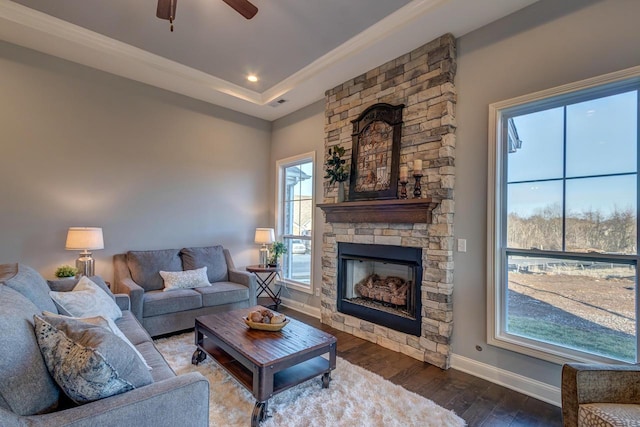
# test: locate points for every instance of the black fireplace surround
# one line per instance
(399, 267)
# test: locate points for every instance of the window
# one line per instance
(563, 223)
(295, 208)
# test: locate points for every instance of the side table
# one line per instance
(264, 276)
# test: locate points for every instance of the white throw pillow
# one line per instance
(106, 323)
(187, 279)
(87, 300)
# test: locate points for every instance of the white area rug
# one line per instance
(355, 397)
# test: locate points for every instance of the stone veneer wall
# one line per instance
(422, 80)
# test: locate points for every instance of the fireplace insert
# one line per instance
(381, 284)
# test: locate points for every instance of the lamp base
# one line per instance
(264, 255)
(85, 264)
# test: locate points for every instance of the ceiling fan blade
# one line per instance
(243, 7)
(167, 9)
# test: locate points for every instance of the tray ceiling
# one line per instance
(298, 49)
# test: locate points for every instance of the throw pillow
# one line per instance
(185, 279)
(87, 361)
(107, 324)
(86, 300)
(67, 285)
(30, 283)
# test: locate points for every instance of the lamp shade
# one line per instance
(265, 235)
(84, 238)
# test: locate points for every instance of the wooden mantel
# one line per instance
(392, 211)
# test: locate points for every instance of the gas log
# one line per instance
(391, 289)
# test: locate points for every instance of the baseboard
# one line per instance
(301, 307)
(517, 382)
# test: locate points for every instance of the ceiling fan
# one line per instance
(167, 9)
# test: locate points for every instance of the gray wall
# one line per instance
(545, 45)
(298, 133)
(154, 169)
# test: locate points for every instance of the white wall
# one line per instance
(545, 45)
(298, 133)
(80, 147)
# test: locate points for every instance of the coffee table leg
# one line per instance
(198, 356)
(326, 378)
(259, 413)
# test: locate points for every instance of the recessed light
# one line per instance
(252, 78)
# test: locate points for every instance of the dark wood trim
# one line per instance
(409, 211)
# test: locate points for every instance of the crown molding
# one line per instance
(36, 30)
(383, 41)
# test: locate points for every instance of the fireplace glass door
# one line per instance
(380, 284)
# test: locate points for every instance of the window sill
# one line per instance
(296, 286)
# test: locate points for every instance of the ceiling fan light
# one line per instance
(166, 9)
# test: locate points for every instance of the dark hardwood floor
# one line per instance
(479, 402)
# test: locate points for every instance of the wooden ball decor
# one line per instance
(265, 320)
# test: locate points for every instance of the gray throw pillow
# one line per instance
(30, 283)
(87, 361)
(211, 257)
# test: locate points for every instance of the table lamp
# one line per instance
(84, 239)
(264, 236)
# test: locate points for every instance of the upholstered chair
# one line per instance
(600, 395)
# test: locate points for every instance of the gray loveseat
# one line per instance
(137, 274)
(28, 393)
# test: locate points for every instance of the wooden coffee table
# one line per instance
(264, 362)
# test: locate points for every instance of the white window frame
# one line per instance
(280, 166)
(496, 224)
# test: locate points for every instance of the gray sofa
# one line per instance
(28, 393)
(137, 274)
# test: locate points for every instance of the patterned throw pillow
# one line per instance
(87, 361)
(86, 300)
(187, 279)
(106, 323)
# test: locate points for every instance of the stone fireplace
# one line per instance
(421, 324)
(379, 283)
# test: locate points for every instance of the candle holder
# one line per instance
(403, 189)
(417, 190)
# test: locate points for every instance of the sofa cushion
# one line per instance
(26, 388)
(88, 361)
(30, 283)
(223, 293)
(211, 257)
(145, 266)
(67, 285)
(85, 300)
(608, 415)
(161, 370)
(134, 331)
(187, 279)
(156, 303)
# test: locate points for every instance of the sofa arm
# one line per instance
(165, 403)
(123, 301)
(135, 293)
(247, 279)
(589, 383)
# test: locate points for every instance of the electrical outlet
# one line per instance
(462, 245)
(317, 292)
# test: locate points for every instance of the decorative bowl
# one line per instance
(265, 326)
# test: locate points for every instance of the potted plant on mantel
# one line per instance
(336, 171)
(277, 249)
